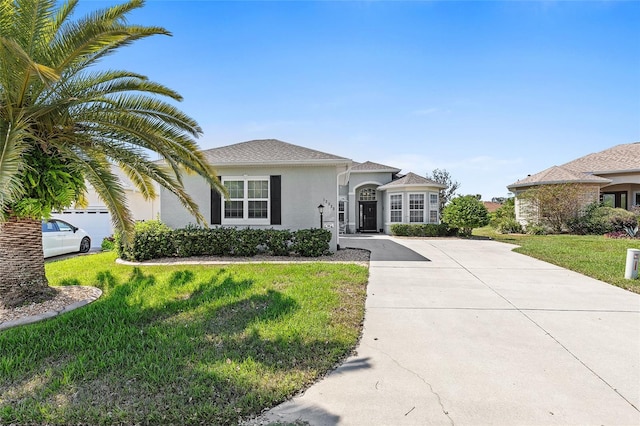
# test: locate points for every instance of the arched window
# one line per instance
(367, 194)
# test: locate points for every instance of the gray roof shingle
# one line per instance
(411, 179)
(555, 175)
(370, 166)
(624, 157)
(269, 151)
(589, 168)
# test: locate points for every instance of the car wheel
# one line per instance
(85, 245)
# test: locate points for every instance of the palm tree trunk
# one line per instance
(22, 277)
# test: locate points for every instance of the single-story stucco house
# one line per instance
(611, 176)
(274, 184)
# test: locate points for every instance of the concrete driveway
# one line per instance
(466, 332)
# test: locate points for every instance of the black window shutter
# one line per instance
(216, 206)
(276, 201)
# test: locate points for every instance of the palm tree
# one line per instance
(63, 124)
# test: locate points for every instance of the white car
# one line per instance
(60, 237)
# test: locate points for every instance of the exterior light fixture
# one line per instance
(321, 211)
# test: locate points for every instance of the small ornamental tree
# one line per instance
(465, 213)
(556, 205)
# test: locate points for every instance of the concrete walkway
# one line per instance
(476, 334)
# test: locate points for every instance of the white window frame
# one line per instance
(245, 220)
(424, 206)
(371, 194)
(391, 209)
(434, 207)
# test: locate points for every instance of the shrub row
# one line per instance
(153, 239)
(422, 230)
(598, 219)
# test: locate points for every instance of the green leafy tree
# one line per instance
(443, 177)
(63, 123)
(465, 213)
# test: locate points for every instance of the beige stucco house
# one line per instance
(274, 184)
(611, 176)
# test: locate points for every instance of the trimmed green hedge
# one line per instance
(422, 230)
(153, 239)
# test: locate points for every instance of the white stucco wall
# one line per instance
(303, 189)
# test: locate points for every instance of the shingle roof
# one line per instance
(369, 166)
(558, 174)
(269, 151)
(491, 206)
(620, 158)
(411, 179)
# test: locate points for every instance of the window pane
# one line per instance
(396, 202)
(637, 203)
(433, 198)
(368, 194)
(257, 209)
(415, 216)
(416, 201)
(235, 188)
(433, 216)
(416, 208)
(62, 226)
(258, 189)
(233, 209)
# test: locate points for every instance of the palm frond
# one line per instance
(12, 146)
(92, 119)
(97, 171)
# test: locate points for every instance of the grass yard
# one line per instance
(180, 345)
(592, 255)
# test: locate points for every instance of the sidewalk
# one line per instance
(476, 334)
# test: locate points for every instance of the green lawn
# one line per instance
(180, 344)
(596, 256)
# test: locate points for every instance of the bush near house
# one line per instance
(503, 220)
(108, 243)
(153, 239)
(599, 219)
(422, 230)
(465, 213)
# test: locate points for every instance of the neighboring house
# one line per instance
(491, 206)
(95, 219)
(274, 184)
(611, 176)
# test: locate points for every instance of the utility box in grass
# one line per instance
(633, 258)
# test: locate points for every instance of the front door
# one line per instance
(368, 216)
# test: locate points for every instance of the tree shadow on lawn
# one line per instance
(201, 355)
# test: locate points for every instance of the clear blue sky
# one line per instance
(490, 91)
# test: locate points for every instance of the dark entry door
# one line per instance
(368, 216)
